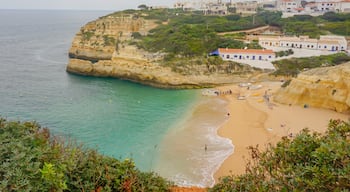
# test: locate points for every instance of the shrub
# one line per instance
(292, 66)
(308, 162)
(32, 160)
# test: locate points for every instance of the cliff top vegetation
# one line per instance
(194, 34)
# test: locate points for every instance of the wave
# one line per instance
(192, 151)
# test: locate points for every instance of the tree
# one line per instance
(142, 7)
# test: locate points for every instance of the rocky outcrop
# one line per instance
(327, 87)
(102, 48)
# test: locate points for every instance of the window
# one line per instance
(227, 56)
(325, 46)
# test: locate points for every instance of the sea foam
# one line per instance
(183, 157)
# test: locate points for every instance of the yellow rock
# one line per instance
(327, 87)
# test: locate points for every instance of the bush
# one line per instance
(292, 66)
(309, 162)
(32, 160)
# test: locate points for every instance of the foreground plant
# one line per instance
(308, 162)
(32, 160)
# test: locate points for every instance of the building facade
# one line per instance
(289, 5)
(326, 42)
(245, 7)
(244, 54)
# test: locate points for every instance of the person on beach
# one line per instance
(205, 147)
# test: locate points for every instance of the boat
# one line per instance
(255, 87)
(210, 92)
(245, 84)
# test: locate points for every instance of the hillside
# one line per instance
(169, 48)
(107, 47)
(325, 87)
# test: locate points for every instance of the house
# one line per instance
(332, 43)
(326, 6)
(302, 42)
(217, 8)
(289, 5)
(326, 42)
(244, 54)
(342, 6)
(245, 7)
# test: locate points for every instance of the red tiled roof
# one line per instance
(246, 51)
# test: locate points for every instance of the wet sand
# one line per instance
(256, 120)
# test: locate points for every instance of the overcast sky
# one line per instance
(81, 4)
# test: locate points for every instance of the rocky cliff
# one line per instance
(104, 48)
(327, 87)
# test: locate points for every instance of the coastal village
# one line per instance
(268, 37)
(195, 96)
(266, 74)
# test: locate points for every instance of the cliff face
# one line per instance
(327, 87)
(102, 48)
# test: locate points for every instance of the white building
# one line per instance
(332, 43)
(329, 42)
(342, 6)
(245, 7)
(217, 8)
(245, 54)
(289, 5)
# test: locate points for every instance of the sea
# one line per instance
(164, 131)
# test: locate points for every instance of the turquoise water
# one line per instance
(119, 118)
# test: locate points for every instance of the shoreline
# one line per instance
(258, 121)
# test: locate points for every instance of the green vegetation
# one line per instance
(293, 66)
(193, 34)
(109, 41)
(206, 66)
(286, 83)
(32, 160)
(284, 53)
(189, 34)
(308, 162)
(87, 35)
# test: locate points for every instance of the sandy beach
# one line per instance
(255, 120)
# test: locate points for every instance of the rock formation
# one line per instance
(102, 48)
(327, 87)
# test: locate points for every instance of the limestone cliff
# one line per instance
(327, 87)
(103, 48)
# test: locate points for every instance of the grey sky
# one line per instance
(80, 4)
